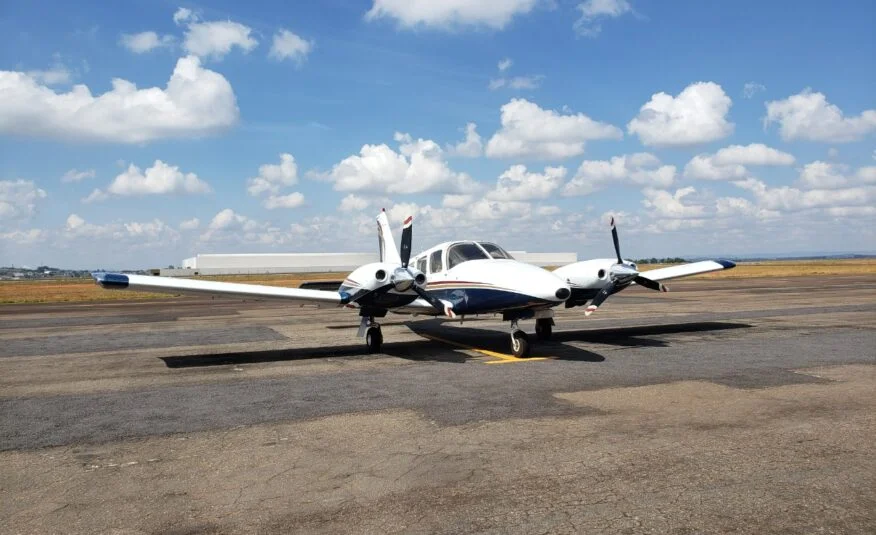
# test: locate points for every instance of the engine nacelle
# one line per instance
(369, 277)
(590, 274)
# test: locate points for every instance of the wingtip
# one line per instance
(111, 280)
(726, 263)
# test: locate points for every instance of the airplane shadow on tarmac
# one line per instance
(435, 349)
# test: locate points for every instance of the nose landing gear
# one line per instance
(370, 329)
(374, 339)
(519, 341)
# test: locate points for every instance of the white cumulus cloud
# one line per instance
(752, 88)
(190, 224)
(183, 15)
(809, 116)
(215, 39)
(196, 102)
(518, 184)
(272, 177)
(789, 199)
(160, 179)
(505, 64)
(288, 45)
(353, 203)
(697, 115)
(472, 146)
(292, 200)
(140, 43)
(640, 169)
(449, 13)
(671, 205)
(74, 175)
(729, 163)
(530, 131)
(517, 82)
(19, 198)
(418, 166)
(593, 11)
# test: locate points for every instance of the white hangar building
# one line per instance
(254, 264)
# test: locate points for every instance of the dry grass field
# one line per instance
(59, 291)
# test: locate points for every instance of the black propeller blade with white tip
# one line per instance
(406, 239)
(614, 237)
(434, 301)
(648, 283)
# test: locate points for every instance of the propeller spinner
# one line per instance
(622, 275)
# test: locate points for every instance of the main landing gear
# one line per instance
(544, 328)
(544, 323)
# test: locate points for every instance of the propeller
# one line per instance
(622, 275)
(403, 278)
(406, 238)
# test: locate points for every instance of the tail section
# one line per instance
(388, 250)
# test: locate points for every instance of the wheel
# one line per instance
(544, 328)
(374, 339)
(520, 344)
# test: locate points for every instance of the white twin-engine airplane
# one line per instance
(452, 279)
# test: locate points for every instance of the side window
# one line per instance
(435, 262)
(421, 264)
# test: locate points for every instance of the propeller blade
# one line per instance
(435, 302)
(616, 241)
(407, 236)
(600, 297)
(648, 283)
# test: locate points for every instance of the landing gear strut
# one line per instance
(519, 341)
(544, 328)
(373, 335)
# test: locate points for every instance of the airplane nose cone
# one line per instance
(563, 293)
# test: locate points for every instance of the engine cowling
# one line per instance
(592, 274)
(586, 279)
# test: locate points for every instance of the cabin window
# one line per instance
(435, 262)
(463, 252)
(421, 264)
(495, 251)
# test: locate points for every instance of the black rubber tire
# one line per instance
(519, 344)
(543, 328)
(374, 339)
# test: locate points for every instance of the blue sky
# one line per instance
(706, 127)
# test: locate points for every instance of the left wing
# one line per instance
(686, 270)
(147, 283)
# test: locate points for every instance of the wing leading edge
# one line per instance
(146, 283)
(686, 270)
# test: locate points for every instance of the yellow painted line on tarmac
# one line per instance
(504, 358)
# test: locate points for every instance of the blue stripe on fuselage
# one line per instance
(482, 300)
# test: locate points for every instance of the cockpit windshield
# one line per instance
(463, 252)
(495, 251)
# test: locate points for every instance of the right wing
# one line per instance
(147, 283)
(686, 270)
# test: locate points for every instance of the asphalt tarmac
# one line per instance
(742, 406)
